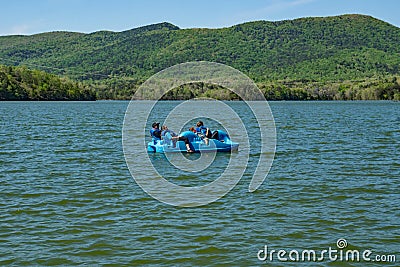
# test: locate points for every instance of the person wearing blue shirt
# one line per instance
(174, 137)
(206, 132)
(166, 130)
(200, 128)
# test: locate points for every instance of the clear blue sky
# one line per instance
(29, 17)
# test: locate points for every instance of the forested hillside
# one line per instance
(20, 83)
(341, 57)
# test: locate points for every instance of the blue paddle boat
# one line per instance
(197, 144)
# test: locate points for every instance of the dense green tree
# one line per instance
(20, 83)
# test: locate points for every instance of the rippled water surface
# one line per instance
(67, 197)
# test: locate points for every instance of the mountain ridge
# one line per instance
(309, 52)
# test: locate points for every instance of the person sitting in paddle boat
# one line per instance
(155, 132)
(200, 135)
(200, 128)
(168, 134)
(205, 131)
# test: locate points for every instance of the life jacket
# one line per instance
(155, 134)
(201, 129)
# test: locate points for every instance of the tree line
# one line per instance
(21, 83)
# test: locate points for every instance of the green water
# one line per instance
(67, 197)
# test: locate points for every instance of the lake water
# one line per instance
(68, 198)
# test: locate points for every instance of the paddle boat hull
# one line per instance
(197, 144)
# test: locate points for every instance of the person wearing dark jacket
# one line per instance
(155, 132)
